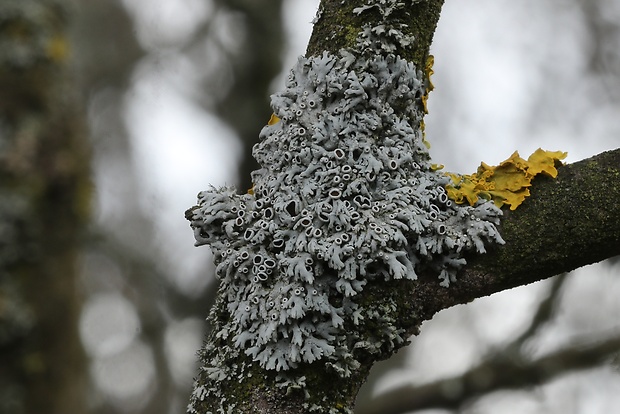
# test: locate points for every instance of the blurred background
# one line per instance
(173, 95)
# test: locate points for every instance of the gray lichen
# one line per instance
(346, 194)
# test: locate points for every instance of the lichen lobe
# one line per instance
(346, 194)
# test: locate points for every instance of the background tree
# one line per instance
(44, 208)
(143, 271)
(85, 59)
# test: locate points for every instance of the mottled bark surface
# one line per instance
(337, 27)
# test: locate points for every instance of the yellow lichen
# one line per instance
(273, 120)
(506, 183)
(424, 140)
(428, 70)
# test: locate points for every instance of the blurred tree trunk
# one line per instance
(245, 107)
(44, 205)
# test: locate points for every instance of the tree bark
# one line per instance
(568, 222)
(44, 202)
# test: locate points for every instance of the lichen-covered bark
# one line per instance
(337, 27)
(233, 379)
(269, 375)
(44, 193)
(567, 222)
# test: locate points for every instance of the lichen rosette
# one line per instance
(346, 194)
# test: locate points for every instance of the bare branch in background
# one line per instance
(494, 374)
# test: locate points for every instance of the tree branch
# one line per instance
(545, 311)
(44, 207)
(494, 374)
(566, 223)
(337, 27)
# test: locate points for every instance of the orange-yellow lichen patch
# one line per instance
(273, 120)
(424, 140)
(428, 70)
(506, 183)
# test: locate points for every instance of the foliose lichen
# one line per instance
(346, 194)
(508, 183)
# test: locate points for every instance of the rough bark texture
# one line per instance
(44, 193)
(337, 27)
(568, 222)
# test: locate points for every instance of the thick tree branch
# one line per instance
(567, 222)
(337, 27)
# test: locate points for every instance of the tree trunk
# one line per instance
(45, 192)
(385, 286)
